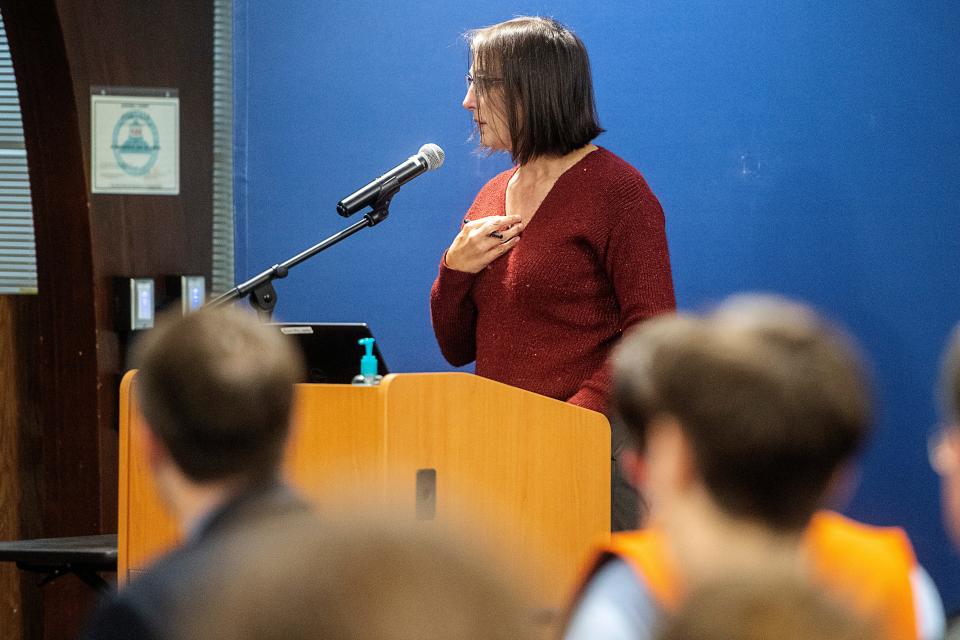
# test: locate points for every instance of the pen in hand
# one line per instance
(494, 234)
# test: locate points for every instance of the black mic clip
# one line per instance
(381, 206)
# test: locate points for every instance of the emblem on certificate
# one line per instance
(135, 140)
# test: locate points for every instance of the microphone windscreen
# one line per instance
(433, 155)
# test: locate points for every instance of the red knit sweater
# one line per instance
(591, 262)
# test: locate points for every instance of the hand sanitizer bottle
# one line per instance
(368, 365)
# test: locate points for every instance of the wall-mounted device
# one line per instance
(134, 303)
(190, 290)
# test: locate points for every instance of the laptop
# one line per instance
(330, 349)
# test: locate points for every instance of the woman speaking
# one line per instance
(560, 254)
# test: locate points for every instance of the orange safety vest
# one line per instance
(869, 566)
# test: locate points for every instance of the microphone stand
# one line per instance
(263, 297)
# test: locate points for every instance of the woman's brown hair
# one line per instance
(543, 71)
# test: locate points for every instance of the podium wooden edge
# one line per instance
(390, 379)
(123, 490)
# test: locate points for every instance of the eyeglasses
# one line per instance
(470, 78)
(943, 450)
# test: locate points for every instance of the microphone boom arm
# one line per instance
(259, 288)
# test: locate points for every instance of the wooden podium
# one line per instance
(529, 474)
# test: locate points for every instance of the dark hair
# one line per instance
(544, 72)
(772, 399)
(950, 380)
(781, 607)
(216, 388)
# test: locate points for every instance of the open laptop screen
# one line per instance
(330, 349)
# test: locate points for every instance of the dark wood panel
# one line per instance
(20, 600)
(67, 389)
(29, 447)
(62, 398)
(10, 626)
(66, 392)
(165, 43)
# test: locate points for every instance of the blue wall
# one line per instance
(806, 148)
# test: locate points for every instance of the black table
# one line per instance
(83, 556)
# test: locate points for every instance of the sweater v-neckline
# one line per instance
(553, 187)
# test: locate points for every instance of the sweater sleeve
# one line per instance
(454, 315)
(452, 311)
(637, 261)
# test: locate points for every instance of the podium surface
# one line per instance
(527, 474)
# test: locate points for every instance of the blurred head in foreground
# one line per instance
(772, 608)
(945, 445)
(742, 420)
(362, 580)
(748, 412)
(215, 389)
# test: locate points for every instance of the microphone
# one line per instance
(429, 157)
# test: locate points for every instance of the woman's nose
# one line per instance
(470, 100)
